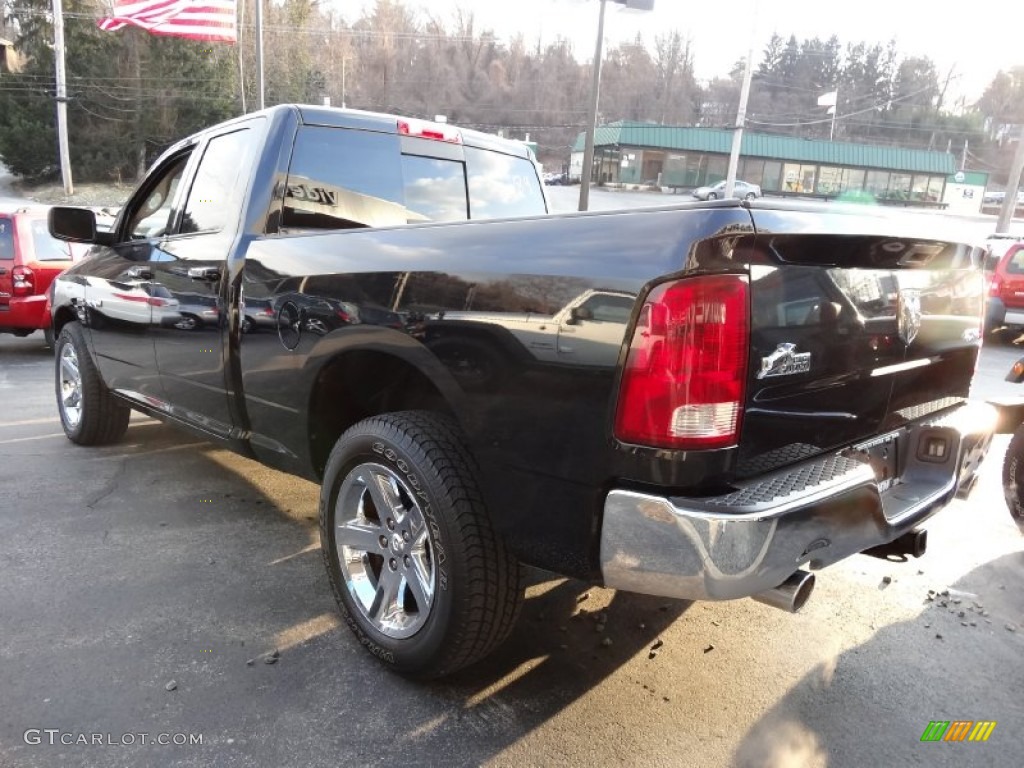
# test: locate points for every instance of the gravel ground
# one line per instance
(92, 195)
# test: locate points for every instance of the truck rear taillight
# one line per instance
(424, 130)
(684, 379)
(24, 281)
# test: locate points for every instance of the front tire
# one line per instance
(188, 323)
(48, 338)
(420, 574)
(712, 196)
(89, 414)
(1013, 477)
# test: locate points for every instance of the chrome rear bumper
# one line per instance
(816, 513)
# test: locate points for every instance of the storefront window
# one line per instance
(675, 170)
(695, 170)
(772, 176)
(752, 171)
(830, 180)
(717, 167)
(919, 189)
(899, 186)
(854, 179)
(877, 183)
(936, 186)
(798, 178)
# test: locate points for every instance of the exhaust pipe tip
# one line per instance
(791, 595)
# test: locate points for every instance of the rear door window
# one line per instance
(341, 178)
(6, 240)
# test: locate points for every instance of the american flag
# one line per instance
(194, 19)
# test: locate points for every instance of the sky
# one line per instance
(974, 40)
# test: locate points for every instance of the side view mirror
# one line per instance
(576, 314)
(75, 225)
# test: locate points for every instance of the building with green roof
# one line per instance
(685, 158)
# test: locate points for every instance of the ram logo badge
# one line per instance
(784, 362)
(908, 315)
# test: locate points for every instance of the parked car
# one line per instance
(1004, 272)
(257, 314)
(741, 190)
(197, 311)
(29, 261)
(130, 303)
(996, 198)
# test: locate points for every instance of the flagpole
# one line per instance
(259, 50)
(241, 70)
(62, 97)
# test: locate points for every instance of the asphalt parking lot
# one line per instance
(163, 560)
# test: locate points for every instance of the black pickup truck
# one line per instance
(698, 401)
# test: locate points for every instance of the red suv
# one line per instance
(29, 260)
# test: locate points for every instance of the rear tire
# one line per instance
(1013, 477)
(89, 414)
(48, 338)
(420, 574)
(750, 196)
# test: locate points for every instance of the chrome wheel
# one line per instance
(384, 550)
(70, 387)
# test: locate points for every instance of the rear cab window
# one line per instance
(342, 178)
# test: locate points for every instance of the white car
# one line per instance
(741, 190)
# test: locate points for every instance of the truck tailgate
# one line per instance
(853, 335)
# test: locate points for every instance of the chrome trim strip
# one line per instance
(910, 365)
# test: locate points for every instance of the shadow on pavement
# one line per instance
(163, 560)
(829, 717)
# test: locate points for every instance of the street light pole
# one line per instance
(595, 91)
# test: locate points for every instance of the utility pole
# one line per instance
(1010, 198)
(963, 157)
(741, 115)
(741, 120)
(62, 97)
(595, 91)
(835, 108)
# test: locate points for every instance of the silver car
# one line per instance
(741, 190)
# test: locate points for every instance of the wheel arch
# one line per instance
(62, 317)
(354, 380)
